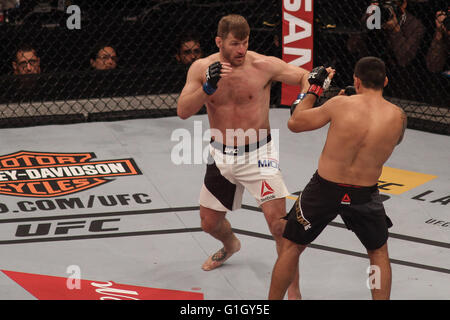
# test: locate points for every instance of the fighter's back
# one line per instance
(364, 130)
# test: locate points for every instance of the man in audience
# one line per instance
(26, 61)
(188, 49)
(104, 57)
(437, 55)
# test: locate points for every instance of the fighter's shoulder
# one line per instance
(262, 58)
(399, 110)
(392, 106)
(262, 61)
(339, 104)
(206, 61)
(341, 100)
(396, 114)
(199, 66)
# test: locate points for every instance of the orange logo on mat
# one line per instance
(45, 174)
(265, 189)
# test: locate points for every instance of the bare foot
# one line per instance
(218, 258)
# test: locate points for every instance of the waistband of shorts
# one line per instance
(344, 186)
(239, 150)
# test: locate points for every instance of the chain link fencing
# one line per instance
(417, 64)
(111, 60)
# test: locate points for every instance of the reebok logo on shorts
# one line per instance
(345, 199)
(265, 189)
(267, 192)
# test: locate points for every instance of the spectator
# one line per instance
(188, 49)
(437, 55)
(104, 57)
(26, 61)
(403, 33)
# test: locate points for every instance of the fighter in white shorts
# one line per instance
(230, 170)
(234, 84)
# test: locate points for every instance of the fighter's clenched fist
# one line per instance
(214, 72)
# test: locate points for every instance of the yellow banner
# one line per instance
(398, 181)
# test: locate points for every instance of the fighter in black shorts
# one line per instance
(321, 201)
(364, 129)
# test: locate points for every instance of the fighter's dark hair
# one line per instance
(371, 71)
(235, 24)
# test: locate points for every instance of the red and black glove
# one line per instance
(318, 80)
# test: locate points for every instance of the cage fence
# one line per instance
(78, 61)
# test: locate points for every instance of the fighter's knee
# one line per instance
(208, 225)
(273, 214)
(276, 228)
(211, 220)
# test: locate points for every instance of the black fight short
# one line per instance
(321, 201)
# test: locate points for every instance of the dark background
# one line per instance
(144, 34)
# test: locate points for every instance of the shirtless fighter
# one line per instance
(364, 130)
(234, 84)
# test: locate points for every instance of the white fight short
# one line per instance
(232, 169)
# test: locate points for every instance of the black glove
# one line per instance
(318, 80)
(350, 90)
(212, 77)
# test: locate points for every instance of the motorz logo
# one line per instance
(43, 174)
